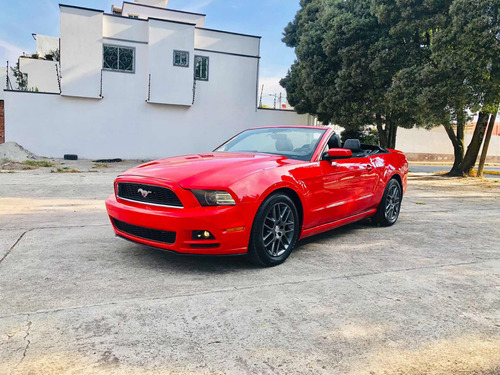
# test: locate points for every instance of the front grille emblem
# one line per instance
(144, 193)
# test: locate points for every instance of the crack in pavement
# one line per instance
(59, 227)
(348, 278)
(15, 244)
(25, 339)
(234, 288)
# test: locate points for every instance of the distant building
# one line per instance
(143, 81)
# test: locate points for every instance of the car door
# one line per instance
(343, 188)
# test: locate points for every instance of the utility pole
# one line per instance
(261, 93)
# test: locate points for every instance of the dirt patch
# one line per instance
(9, 165)
(464, 355)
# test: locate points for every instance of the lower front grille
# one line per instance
(145, 233)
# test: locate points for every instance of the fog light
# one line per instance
(202, 235)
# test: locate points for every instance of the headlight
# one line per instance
(214, 198)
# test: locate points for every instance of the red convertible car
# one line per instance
(258, 193)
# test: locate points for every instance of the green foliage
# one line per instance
(21, 78)
(53, 55)
(39, 163)
(393, 63)
(346, 64)
(367, 135)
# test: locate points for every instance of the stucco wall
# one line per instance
(81, 52)
(226, 42)
(42, 74)
(145, 12)
(434, 142)
(170, 84)
(46, 44)
(122, 126)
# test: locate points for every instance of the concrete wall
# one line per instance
(125, 29)
(42, 74)
(46, 44)
(170, 84)
(3, 81)
(81, 52)
(227, 42)
(122, 126)
(434, 144)
(154, 3)
(145, 12)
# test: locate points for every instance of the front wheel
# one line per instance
(274, 232)
(390, 205)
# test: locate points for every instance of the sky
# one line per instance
(267, 18)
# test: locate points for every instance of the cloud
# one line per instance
(10, 52)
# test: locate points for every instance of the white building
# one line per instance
(144, 81)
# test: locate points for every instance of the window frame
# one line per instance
(180, 51)
(119, 70)
(208, 68)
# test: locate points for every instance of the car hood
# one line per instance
(217, 169)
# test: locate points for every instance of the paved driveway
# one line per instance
(420, 297)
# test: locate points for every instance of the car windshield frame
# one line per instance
(274, 131)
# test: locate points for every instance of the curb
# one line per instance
(490, 172)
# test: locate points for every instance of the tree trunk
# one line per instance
(394, 131)
(487, 140)
(382, 136)
(475, 144)
(458, 150)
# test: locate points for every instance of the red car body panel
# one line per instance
(328, 194)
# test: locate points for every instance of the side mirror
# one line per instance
(337, 153)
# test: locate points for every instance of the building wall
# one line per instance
(434, 145)
(42, 74)
(46, 44)
(123, 122)
(124, 127)
(3, 81)
(81, 52)
(170, 84)
(145, 12)
(227, 42)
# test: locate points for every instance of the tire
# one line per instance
(275, 231)
(390, 205)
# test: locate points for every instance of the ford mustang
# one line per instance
(258, 193)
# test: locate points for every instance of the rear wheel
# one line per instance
(390, 205)
(274, 232)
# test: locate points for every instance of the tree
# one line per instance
(21, 78)
(345, 67)
(460, 75)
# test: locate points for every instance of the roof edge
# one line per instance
(171, 10)
(81, 8)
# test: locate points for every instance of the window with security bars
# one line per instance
(201, 68)
(117, 58)
(181, 58)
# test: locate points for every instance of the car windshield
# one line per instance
(294, 143)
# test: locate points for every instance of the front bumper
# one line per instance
(220, 221)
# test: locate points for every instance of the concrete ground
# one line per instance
(421, 297)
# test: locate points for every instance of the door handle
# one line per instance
(369, 167)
